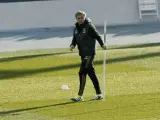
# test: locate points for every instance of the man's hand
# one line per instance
(72, 47)
(104, 47)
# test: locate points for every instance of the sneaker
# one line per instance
(98, 97)
(77, 99)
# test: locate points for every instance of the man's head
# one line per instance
(80, 17)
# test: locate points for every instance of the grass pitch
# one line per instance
(30, 84)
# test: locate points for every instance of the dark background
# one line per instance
(8, 1)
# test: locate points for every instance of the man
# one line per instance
(85, 36)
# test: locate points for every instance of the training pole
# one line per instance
(104, 61)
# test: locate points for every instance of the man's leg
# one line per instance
(93, 77)
(82, 79)
(82, 76)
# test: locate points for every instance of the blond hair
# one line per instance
(80, 13)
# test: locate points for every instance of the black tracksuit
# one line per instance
(85, 36)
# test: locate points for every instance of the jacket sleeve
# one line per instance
(95, 34)
(73, 40)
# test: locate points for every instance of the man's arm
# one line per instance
(95, 34)
(73, 43)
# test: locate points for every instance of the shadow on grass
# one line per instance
(2, 113)
(6, 74)
(137, 46)
(8, 59)
(147, 99)
(32, 108)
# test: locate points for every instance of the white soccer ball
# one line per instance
(65, 87)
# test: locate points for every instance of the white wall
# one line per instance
(60, 13)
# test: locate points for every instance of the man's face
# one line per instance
(80, 19)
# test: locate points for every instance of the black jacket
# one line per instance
(85, 36)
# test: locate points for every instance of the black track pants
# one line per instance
(87, 68)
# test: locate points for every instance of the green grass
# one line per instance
(30, 84)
